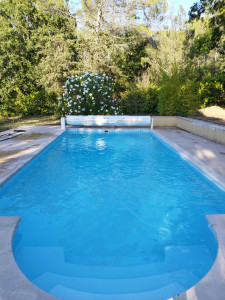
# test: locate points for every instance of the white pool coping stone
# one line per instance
(204, 123)
(210, 173)
(26, 146)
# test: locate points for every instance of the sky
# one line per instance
(185, 3)
(172, 3)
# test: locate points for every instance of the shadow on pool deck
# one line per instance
(18, 151)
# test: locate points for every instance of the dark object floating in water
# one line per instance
(106, 131)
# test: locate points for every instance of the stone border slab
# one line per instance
(207, 171)
(23, 148)
(210, 131)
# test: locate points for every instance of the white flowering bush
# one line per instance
(89, 94)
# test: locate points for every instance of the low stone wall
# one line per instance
(164, 121)
(209, 131)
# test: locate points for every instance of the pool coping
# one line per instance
(212, 285)
(14, 285)
(28, 158)
(196, 163)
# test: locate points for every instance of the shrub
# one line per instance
(36, 103)
(212, 91)
(179, 94)
(89, 94)
(139, 100)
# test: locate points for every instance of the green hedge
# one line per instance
(179, 93)
(212, 91)
(139, 101)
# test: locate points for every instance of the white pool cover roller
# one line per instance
(98, 120)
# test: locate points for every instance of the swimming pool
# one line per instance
(112, 214)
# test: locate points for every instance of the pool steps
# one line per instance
(94, 279)
(15, 286)
(78, 270)
(115, 286)
(77, 295)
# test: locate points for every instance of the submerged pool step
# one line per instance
(70, 294)
(48, 281)
(45, 261)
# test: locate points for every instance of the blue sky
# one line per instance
(175, 3)
(185, 3)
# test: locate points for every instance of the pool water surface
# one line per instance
(112, 214)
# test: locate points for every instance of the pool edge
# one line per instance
(44, 145)
(13, 283)
(211, 286)
(196, 163)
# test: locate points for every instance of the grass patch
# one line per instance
(13, 122)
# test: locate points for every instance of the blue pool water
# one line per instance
(112, 215)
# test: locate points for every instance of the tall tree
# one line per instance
(216, 10)
(112, 27)
(27, 37)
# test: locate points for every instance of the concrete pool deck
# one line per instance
(206, 155)
(16, 152)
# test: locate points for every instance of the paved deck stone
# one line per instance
(18, 151)
(206, 155)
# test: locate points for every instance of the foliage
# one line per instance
(178, 94)
(42, 42)
(140, 97)
(89, 94)
(212, 91)
(216, 10)
(137, 100)
(29, 30)
(128, 63)
(113, 34)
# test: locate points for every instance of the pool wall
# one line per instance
(195, 162)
